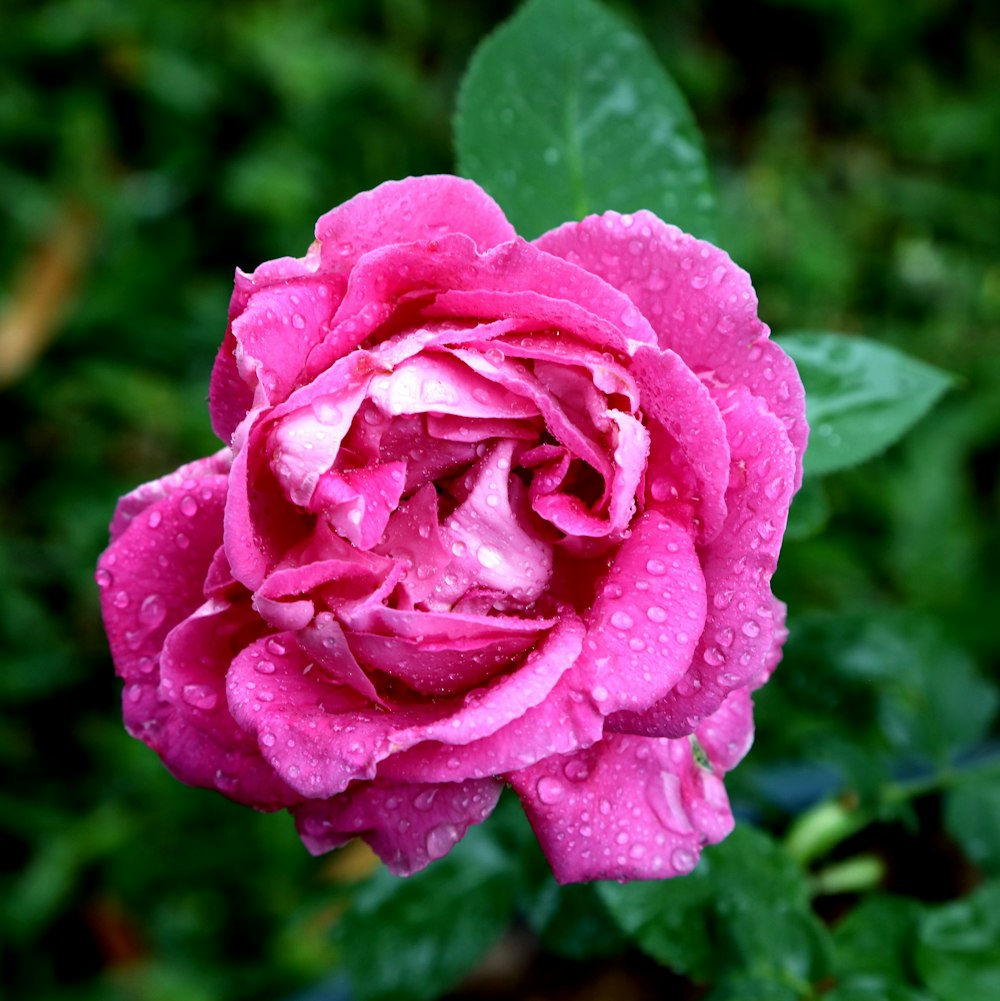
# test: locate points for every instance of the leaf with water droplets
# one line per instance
(861, 396)
(743, 911)
(565, 111)
(415, 938)
(958, 947)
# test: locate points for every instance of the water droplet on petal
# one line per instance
(189, 506)
(682, 860)
(103, 578)
(550, 790)
(621, 620)
(441, 840)
(424, 800)
(199, 696)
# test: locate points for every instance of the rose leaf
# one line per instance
(861, 396)
(565, 111)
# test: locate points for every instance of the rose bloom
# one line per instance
(487, 512)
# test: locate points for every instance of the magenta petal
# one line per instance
(324, 641)
(443, 385)
(700, 304)
(727, 734)
(418, 208)
(627, 808)
(318, 736)
(644, 624)
(278, 328)
(142, 596)
(492, 546)
(742, 638)
(201, 743)
(439, 653)
(517, 720)
(408, 825)
(674, 398)
(358, 502)
(187, 478)
(230, 396)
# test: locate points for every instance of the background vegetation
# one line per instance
(148, 148)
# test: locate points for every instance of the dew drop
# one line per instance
(656, 614)
(656, 567)
(550, 790)
(441, 840)
(621, 620)
(152, 611)
(103, 578)
(425, 800)
(199, 696)
(189, 506)
(682, 860)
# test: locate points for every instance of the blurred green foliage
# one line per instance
(149, 148)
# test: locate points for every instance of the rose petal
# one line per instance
(727, 734)
(645, 621)
(408, 825)
(740, 637)
(318, 736)
(626, 808)
(200, 742)
(674, 398)
(516, 721)
(418, 208)
(358, 502)
(700, 304)
(491, 545)
(230, 397)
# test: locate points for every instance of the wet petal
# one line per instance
(200, 741)
(645, 621)
(418, 208)
(408, 825)
(317, 735)
(626, 808)
(674, 399)
(515, 721)
(700, 304)
(490, 544)
(741, 639)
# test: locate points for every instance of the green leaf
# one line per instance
(810, 511)
(958, 947)
(572, 921)
(861, 396)
(744, 910)
(754, 990)
(867, 988)
(565, 111)
(972, 816)
(413, 939)
(876, 939)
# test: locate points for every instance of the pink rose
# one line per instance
(488, 511)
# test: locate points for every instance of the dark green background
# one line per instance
(148, 148)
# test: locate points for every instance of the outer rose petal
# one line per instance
(407, 825)
(741, 640)
(418, 208)
(698, 301)
(626, 808)
(146, 602)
